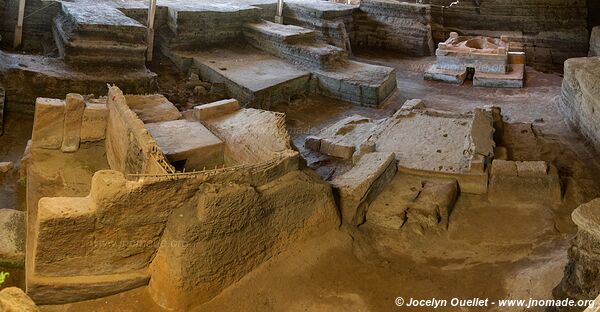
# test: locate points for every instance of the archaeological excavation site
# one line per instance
(299, 155)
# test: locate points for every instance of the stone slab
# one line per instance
(75, 105)
(94, 121)
(216, 109)
(153, 108)
(189, 141)
(255, 78)
(357, 187)
(515, 78)
(526, 185)
(306, 53)
(100, 17)
(434, 73)
(358, 83)
(445, 135)
(48, 123)
(343, 138)
(282, 33)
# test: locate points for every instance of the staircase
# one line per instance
(295, 44)
(335, 75)
(98, 35)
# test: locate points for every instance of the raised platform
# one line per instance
(358, 83)
(295, 44)
(27, 77)
(98, 34)
(493, 62)
(201, 24)
(513, 79)
(450, 144)
(255, 78)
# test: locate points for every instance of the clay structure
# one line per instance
(299, 155)
(488, 60)
(140, 245)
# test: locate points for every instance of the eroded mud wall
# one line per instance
(405, 27)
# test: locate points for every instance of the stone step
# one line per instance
(84, 51)
(99, 21)
(358, 83)
(307, 52)
(83, 38)
(282, 33)
(97, 43)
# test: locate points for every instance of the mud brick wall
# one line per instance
(394, 25)
(128, 145)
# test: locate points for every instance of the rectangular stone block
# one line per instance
(532, 168)
(510, 189)
(337, 149)
(360, 186)
(188, 143)
(313, 143)
(93, 123)
(74, 108)
(215, 109)
(48, 123)
(504, 168)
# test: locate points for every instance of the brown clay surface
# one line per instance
(493, 251)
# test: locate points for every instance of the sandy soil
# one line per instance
(488, 251)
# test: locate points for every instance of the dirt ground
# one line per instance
(489, 251)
